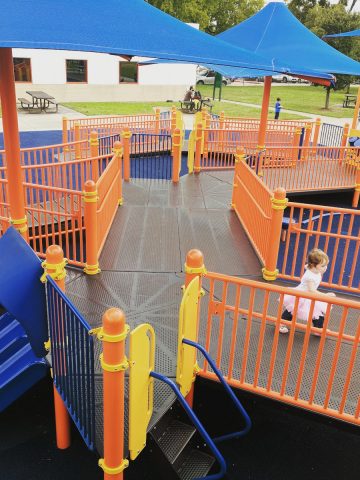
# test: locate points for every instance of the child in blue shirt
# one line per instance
(277, 108)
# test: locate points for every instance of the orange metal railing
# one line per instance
(335, 230)
(241, 332)
(307, 168)
(251, 201)
(55, 217)
(238, 123)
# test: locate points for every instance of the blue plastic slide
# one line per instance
(23, 328)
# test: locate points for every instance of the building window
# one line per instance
(22, 69)
(76, 71)
(128, 72)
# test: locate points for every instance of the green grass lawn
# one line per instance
(308, 99)
(132, 108)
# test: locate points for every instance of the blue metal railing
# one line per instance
(72, 353)
(198, 426)
(228, 390)
(330, 135)
(151, 156)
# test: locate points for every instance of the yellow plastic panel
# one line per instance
(186, 360)
(191, 152)
(141, 386)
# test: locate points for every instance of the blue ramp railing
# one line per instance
(72, 353)
(151, 156)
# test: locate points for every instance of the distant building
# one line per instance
(84, 76)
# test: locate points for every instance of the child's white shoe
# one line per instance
(283, 329)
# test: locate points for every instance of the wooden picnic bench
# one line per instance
(26, 104)
(189, 106)
(54, 104)
(349, 100)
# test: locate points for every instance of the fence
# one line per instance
(80, 129)
(331, 135)
(252, 203)
(334, 230)
(72, 353)
(240, 329)
(299, 169)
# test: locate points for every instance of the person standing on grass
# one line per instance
(277, 108)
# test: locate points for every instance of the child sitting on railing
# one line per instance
(314, 269)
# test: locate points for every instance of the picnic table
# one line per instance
(42, 100)
(349, 100)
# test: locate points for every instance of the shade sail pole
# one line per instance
(264, 117)
(12, 142)
(356, 111)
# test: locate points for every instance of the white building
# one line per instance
(84, 76)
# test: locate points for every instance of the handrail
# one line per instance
(198, 425)
(237, 402)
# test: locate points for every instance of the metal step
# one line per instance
(175, 438)
(195, 465)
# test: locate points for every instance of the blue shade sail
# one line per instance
(353, 33)
(275, 33)
(123, 27)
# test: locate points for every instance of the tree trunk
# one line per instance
(327, 99)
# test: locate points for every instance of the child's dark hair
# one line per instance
(315, 257)
(278, 99)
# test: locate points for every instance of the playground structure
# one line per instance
(237, 316)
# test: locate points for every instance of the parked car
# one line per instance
(288, 78)
(208, 78)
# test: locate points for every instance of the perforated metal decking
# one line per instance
(142, 267)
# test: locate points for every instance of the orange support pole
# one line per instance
(12, 142)
(157, 121)
(198, 144)
(356, 196)
(77, 139)
(125, 138)
(91, 228)
(54, 266)
(194, 267)
(94, 153)
(114, 364)
(176, 154)
(118, 152)
(279, 203)
(264, 113)
(65, 138)
(173, 119)
(344, 141)
(316, 132)
(239, 157)
(356, 111)
(295, 149)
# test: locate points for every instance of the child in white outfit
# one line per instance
(310, 281)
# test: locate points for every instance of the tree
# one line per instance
(213, 16)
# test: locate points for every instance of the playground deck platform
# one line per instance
(142, 273)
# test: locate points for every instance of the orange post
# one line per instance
(295, 149)
(114, 364)
(279, 203)
(344, 141)
(125, 138)
(198, 144)
(173, 119)
(118, 152)
(316, 132)
(356, 111)
(54, 266)
(157, 121)
(239, 157)
(11, 142)
(306, 144)
(77, 139)
(91, 228)
(65, 138)
(176, 154)
(355, 201)
(264, 113)
(194, 267)
(94, 153)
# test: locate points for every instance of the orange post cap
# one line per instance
(113, 321)
(54, 254)
(194, 258)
